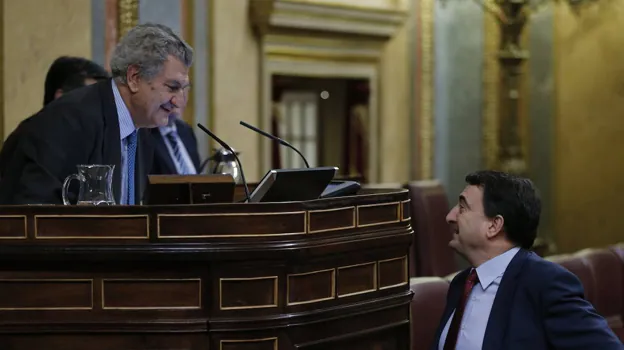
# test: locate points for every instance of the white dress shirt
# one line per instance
(479, 303)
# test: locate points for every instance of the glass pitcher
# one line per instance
(96, 185)
(225, 163)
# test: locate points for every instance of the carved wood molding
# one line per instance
(273, 16)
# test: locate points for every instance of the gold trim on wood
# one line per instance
(104, 307)
(491, 85)
(128, 16)
(48, 280)
(375, 280)
(405, 268)
(275, 292)
(303, 231)
(333, 287)
(427, 91)
(339, 228)
(14, 217)
(86, 229)
(273, 339)
(398, 212)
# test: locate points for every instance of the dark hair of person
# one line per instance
(514, 198)
(68, 73)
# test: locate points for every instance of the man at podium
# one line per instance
(104, 123)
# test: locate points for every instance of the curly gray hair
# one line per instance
(148, 46)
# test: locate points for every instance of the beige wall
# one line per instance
(35, 32)
(235, 81)
(235, 85)
(589, 166)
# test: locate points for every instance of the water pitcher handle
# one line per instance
(66, 186)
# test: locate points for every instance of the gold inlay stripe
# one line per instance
(147, 280)
(25, 226)
(330, 297)
(143, 236)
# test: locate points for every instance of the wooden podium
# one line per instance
(323, 274)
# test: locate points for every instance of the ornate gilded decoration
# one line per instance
(426, 89)
(128, 16)
(268, 15)
(504, 79)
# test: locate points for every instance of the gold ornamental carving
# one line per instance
(505, 56)
(128, 16)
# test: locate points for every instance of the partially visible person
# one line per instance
(66, 73)
(510, 298)
(175, 149)
(104, 123)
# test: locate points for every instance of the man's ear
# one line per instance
(133, 78)
(58, 93)
(495, 226)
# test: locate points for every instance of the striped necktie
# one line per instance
(172, 136)
(132, 148)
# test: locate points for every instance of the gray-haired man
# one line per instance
(104, 123)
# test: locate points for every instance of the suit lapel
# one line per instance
(499, 315)
(452, 300)
(162, 153)
(111, 152)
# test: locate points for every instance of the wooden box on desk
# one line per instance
(190, 189)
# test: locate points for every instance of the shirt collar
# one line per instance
(495, 267)
(126, 124)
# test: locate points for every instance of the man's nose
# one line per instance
(178, 101)
(451, 217)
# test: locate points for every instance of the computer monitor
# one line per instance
(287, 185)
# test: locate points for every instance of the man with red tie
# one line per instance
(510, 298)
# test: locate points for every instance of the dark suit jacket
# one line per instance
(81, 127)
(539, 305)
(163, 164)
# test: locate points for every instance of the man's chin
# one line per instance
(454, 243)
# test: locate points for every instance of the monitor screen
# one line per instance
(287, 185)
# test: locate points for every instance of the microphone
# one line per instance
(275, 138)
(227, 147)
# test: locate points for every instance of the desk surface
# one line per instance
(324, 274)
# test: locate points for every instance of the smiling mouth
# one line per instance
(166, 109)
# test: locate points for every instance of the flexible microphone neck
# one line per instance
(275, 138)
(227, 147)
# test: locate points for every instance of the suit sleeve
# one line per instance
(570, 321)
(50, 150)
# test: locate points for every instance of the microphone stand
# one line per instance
(275, 138)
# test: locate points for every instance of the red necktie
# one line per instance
(451, 337)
